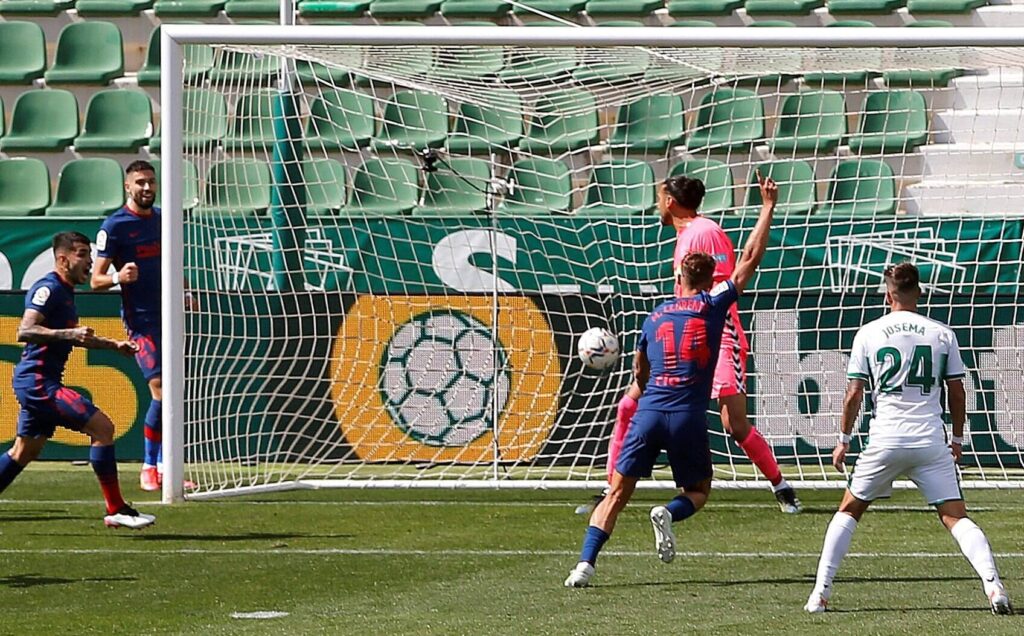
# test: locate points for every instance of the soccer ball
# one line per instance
(598, 348)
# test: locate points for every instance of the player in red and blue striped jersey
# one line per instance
(50, 329)
(675, 367)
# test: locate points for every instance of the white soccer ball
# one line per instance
(598, 348)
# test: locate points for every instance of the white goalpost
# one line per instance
(392, 236)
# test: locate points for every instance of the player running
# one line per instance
(50, 328)
(675, 366)
(906, 358)
(678, 200)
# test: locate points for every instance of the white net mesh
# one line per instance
(348, 295)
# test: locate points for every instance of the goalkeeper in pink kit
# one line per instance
(678, 200)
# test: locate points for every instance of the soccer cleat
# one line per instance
(1000, 602)
(128, 517)
(664, 538)
(587, 508)
(788, 502)
(149, 479)
(816, 603)
(580, 575)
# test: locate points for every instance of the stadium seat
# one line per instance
(864, 7)
(678, 8)
(483, 129)
(333, 8)
(944, 6)
(475, 8)
(566, 121)
(189, 184)
(470, 61)
(313, 73)
(384, 187)
(861, 187)
(925, 78)
(717, 179)
(88, 187)
(728, 118)
(252, 8)
(116, 121)
(404, 8)
(422, 62)
(862, 59)
(693, 24)
(626, 64)
(252, 127)
(205, 120)
(42, 120)
(3, 120)
(622, 7)
(87, 53)
(198, 60)
(892, 121)
(773, 24)
(22, 52)
(555, 7)
(539, 187)
(458, 187)
(413, 120)
(796, 187)
(530, 64)
(232, 66)
(25, 183)
(197, 8)
(810, 121)
(239, 187)
(112, 7)
(782, 7)
(35, 7)
(650, 124)
(340, 119)
(325, 186)
(620, 188)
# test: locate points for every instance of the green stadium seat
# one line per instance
(252, 127)
(404, 8)
(892, 121)
(717, 179)
(198, 60)
(340, 119)
(413, 120)
(384, 187)
(693, 24)
(944, 6)
(862, 59)
(555, 7)
(484, 129)
(35, 7)
(772, 24)
(840, 7)
(796, 187)
(530, 64)
(325, 186)
(626, 65)
(205, 120)
(475, 8)
(620, 188)
(333, 8)
(678, 8)
(232, 66)
(87, 53)
(931, 23)
(422, 63)
(252, 8)
(861, 187)
(116, 121)
(239, 187)
(22, 52)
(25, 183)
(727, 119)
(458, 187)
(196, 8)
(3, 120)
(855, 24)
(622, 7)
(189, 184)
(88, 187)
(112, 7)
(810, 121)
(925, 78)
(651, 124)
(566, 121)
(540, 187)
(42, 120)
(470, 61)
(782, 7)
(313, 73)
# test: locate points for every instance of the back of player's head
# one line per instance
(139, 166)
(902, 278)
(686, 191)
(66, 241)
(696, 270)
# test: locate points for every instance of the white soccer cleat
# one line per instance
(817, 603)
(580, 575)
(1000, 602)
(128, 517)
(664, 538)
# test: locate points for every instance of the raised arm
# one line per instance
(851, 409)
(101, 281)
(757, 242)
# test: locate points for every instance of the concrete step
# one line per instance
(966, 198)
(964, 162)
(998, 89)
(985, 126)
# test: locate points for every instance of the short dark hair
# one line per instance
(687, 191)
(139, 166)
(902, 278)
(63, 241)
(697, 270)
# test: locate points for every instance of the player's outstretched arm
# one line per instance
(851, 409)
(757, 242)
(956, 399)
(31, 330)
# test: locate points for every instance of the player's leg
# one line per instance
(36, 424)
(24, 451)
(623, 416)
(148, 359)
(602, 523)
(838, 536)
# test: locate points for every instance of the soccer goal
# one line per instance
(393, 236)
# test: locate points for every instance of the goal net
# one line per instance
(392, 256)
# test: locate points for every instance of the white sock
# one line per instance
(975, 547)
(837, 542)
(779, 486)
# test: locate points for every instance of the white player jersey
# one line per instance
(905, 357)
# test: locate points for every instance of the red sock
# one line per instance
(111, 493)
(761, 454)
(624, 415)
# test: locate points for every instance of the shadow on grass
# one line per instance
(34, 580)
(799, 580)
(906, 610)
(34, 516)
(234, 537)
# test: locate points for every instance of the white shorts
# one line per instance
(931, 468)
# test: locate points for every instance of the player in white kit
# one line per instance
(905, 358)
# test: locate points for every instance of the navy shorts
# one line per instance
(45, 408)
(148, 356)
(683, 435)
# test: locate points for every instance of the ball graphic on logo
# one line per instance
(441, 377)
(598, 348)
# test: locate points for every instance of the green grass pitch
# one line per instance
(479, 562)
